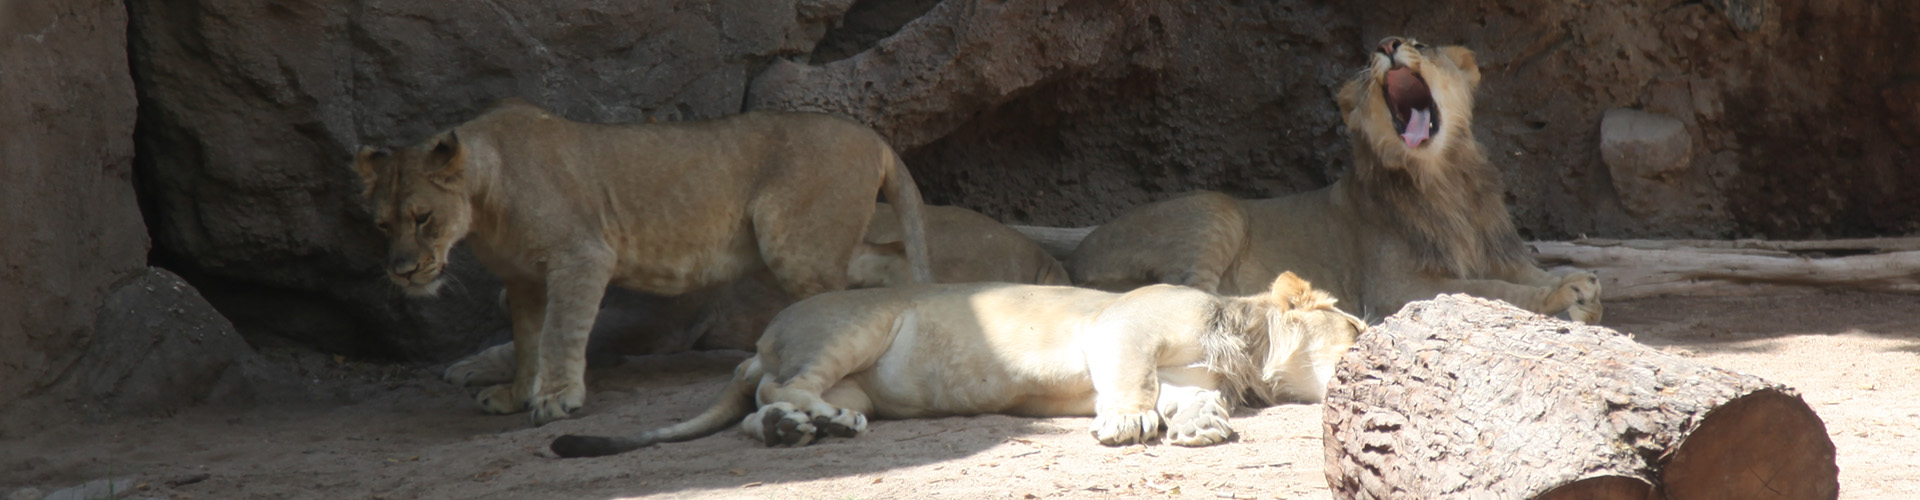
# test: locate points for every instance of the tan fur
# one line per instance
(1157, 355)
(560, 209)
(1406, 224)
(965, 246)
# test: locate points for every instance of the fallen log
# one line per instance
(1630, 269)
(1645, 268)
(1460, 397)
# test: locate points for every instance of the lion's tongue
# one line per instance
(1418, 121)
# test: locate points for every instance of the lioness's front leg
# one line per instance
(573, 299)
(1125, 388)
(526, 303)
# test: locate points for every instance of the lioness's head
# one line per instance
(1413, 103)
(1305, 340)
(420, 201)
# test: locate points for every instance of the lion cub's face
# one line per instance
(1413, 101)
(420, 201)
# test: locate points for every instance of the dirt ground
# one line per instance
(405, 434)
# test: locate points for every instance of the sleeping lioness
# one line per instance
(1419, 215)
(1159, 355)
(559, 209)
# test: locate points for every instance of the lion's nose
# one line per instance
(1389, 45)
(402, 266)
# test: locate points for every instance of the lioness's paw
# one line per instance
(780, 424)
(1583, 290)
(488, 367)
(1117, 429)
(1199, 429)
(554, 404)
(843, 423)
(499, 400)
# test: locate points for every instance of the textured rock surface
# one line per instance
(251, 110)
(1648, 155)
(69, 223)
(159, 347)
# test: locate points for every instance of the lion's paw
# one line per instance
(782, 424)
(1115, 429)
(1583, 291)
(1199, 425)
(491, 366)
(499, 400)
(1200, 429)
(551, 404)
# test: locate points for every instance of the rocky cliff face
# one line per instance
(69, 224)
(1797, 118)
(251, 111)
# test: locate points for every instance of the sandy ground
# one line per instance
(404, 434)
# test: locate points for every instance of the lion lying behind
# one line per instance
(1160, 355)
(1419, 215)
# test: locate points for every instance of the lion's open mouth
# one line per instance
(1414, 115)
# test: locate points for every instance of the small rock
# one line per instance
(27, 493)
(98, 489)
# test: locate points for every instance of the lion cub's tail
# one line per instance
(897, 185)
(735, 403)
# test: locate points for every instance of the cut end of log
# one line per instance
(1764, 445)
(1601, 488)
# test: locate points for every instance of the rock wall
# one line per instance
(251, 110)
(69, 223)
(1799, 116)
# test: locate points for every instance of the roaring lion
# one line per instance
(1159, 355)
(1419, 215)
(965, 247)
(559, 209)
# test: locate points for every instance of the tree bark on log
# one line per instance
(1460, 397)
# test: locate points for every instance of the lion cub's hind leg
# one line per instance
(797, 417)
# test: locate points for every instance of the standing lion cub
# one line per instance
(1160, 355)
(559, 209)
(1419, 215)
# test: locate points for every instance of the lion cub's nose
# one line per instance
(1389, 45)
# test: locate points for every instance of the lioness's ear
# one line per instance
(450, 156)
(1463, 58)
(1289, 289)
(363, 165)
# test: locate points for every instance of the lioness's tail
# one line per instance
(897, 185)
(733, 405)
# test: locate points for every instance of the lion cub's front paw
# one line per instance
(1117, 429)
(1204, 427)
(491, 366)
(1583, 297)
(551, 404)
(782, 424)
(500, 400)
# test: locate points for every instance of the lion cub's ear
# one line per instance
(450, 156)
(363, 165)
(1289, 290)
(1463, 59)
